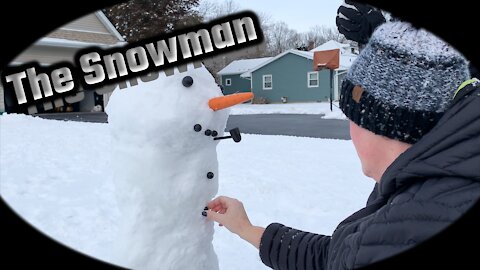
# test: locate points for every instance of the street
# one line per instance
(93, 117)
(302, 125)
(291, 124)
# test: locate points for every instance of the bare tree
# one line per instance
(281, 38)
(278, 36)
(320, 34)
(210, 10)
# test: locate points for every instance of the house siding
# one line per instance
(103, 38)
(2, 98)
(88, 23)
(289, 75)
(89, 28)
(239, 84)
(46, 55)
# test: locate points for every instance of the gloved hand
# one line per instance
(358, 21)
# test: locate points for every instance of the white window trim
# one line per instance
(228, 81)
(271, 82)
(308, 79)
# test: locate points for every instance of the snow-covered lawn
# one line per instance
(56, 175)
(322, 108)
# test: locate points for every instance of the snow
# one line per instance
(160, 163)
(321, 108)
(346, 60)
(243, 65)
(330, 45)
(308, 55)
(60, 42)
(55, 175)
(248, 73)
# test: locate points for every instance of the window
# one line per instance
(267, 82)
(312, 78)
(228, 82)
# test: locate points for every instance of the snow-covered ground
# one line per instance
(322, 108)
(56, 175)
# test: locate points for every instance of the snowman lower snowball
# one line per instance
(165, 168)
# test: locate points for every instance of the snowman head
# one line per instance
(179, 112)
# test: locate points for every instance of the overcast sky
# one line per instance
(298, 14)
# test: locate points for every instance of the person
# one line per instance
(357, 21)
(417, 143)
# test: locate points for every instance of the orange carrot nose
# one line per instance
(219, 103)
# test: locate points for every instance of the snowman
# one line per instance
(165, 169)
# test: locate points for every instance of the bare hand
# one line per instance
(230, 213)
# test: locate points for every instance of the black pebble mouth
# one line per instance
(207, 132)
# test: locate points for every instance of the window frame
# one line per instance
(271, 82)
(309, 80)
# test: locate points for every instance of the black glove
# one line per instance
(358, 21)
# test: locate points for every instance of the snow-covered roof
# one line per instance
(330, 45)
(346, 60)
(308, 55)
(68, 43)
(241, 66)
(60, 42)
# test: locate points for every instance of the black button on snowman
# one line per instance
(187, 81)
(216, 104)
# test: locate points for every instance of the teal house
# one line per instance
(290, 76)
(230, 75)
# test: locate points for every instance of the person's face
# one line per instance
(376, 152)
(366, 144)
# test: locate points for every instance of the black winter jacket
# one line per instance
(422, 192)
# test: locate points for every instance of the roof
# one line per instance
(330, 45)
(101, 16)
(77, 34)
(241, 66)
(67, 43)
(346, 59)
(307, 55)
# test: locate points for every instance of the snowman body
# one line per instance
(165, 170)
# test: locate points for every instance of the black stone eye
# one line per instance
(187, 81)
(210, 175)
